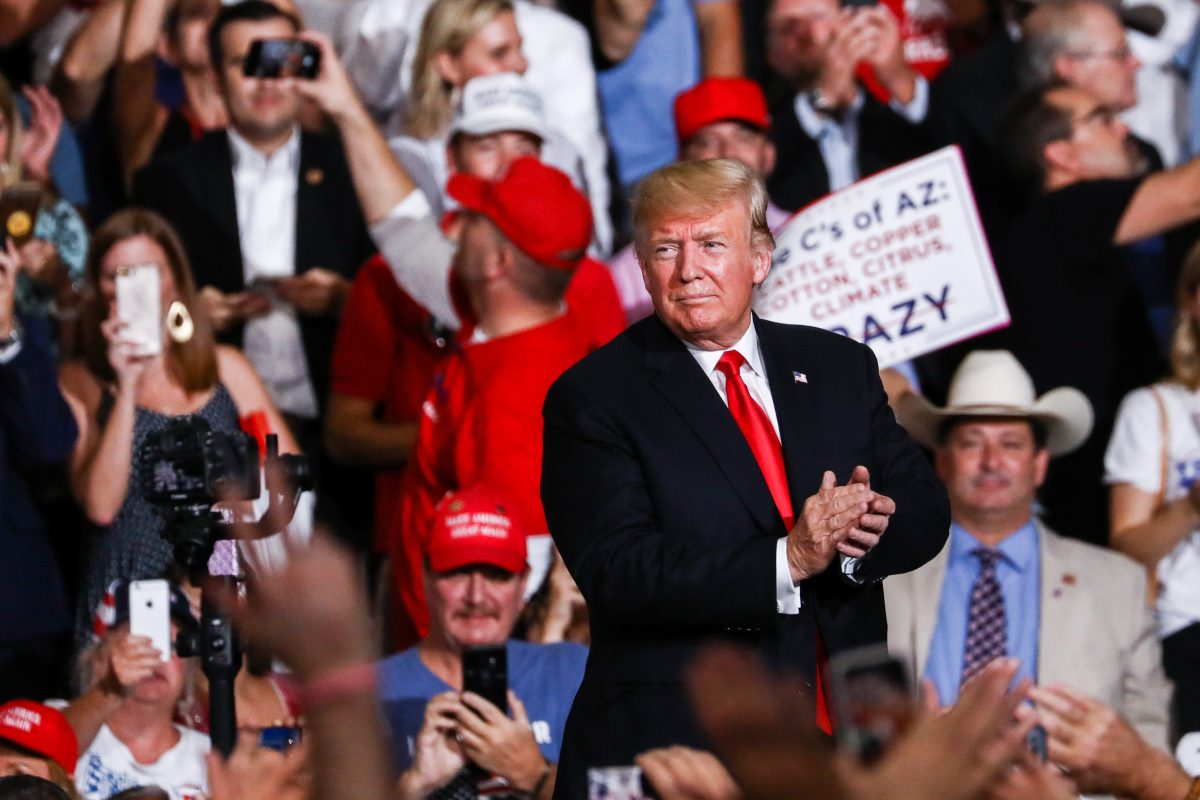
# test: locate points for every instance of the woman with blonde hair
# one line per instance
(1152, 466)
(460, 40)
(119, 394)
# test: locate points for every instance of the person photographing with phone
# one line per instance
(124, 719)
(125, 388)
(435, 694)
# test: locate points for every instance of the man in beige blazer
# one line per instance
(1005, 584)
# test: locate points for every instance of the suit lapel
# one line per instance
(309, 187)
(222, 204)
(686, 388)
(801, 176)
(801, 424)
(1057, 629)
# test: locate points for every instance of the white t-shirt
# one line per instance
(1135, 457)
(107, 767)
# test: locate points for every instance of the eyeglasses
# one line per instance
(1121, 54)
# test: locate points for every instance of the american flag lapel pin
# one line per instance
(799, 377)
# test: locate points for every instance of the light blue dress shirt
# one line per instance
(1019, 574)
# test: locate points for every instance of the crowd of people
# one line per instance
(484, 269)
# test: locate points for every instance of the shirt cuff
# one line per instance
(7, 354)
(419, 255)
(914, 110)
(787, 594)
(414, 206)
(850, 569)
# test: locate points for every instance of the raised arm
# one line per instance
(136, 117)
(413, 246)
(1165, 200)
(720, 27)
(102, 459)
(78, 80)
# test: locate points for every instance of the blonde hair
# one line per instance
(1185, 343)
(447, 27)
(10, 159)
(700, 188)
(194, 362)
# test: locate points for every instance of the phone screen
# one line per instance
(619, 783)
(19, 206)
(282, 58)
(873, 698)
(485, 672)
(150, 613)
(139, 306)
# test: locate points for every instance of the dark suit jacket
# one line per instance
(885, 139)
(664, 519)
(36, 430)
(193, 189)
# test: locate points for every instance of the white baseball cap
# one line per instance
(504, 101)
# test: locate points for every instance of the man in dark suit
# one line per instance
(270, 222)
(691, 471)
(828, 132)
(267, 214)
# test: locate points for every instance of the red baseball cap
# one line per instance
(40, 729)
(716, 99)
(536, 207)
(475, 526)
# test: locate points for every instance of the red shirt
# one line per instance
(386, 353)
(481, 424)
(593, 296)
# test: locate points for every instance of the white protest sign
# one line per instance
(897, 261)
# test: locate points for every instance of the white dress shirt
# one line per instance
(837, 139)
(754, 375)
(264, 189)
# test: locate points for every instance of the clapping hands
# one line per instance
(847, 520)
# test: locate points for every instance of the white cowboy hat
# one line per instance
(992, 383)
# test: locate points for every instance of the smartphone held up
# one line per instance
(150, 614)
(282, 58)
(139, 307)
(873, 698)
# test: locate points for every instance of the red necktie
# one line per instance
(760, 435)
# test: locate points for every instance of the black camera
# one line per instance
(188, 462)
(187, 466)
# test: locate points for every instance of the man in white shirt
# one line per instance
(269, 220)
